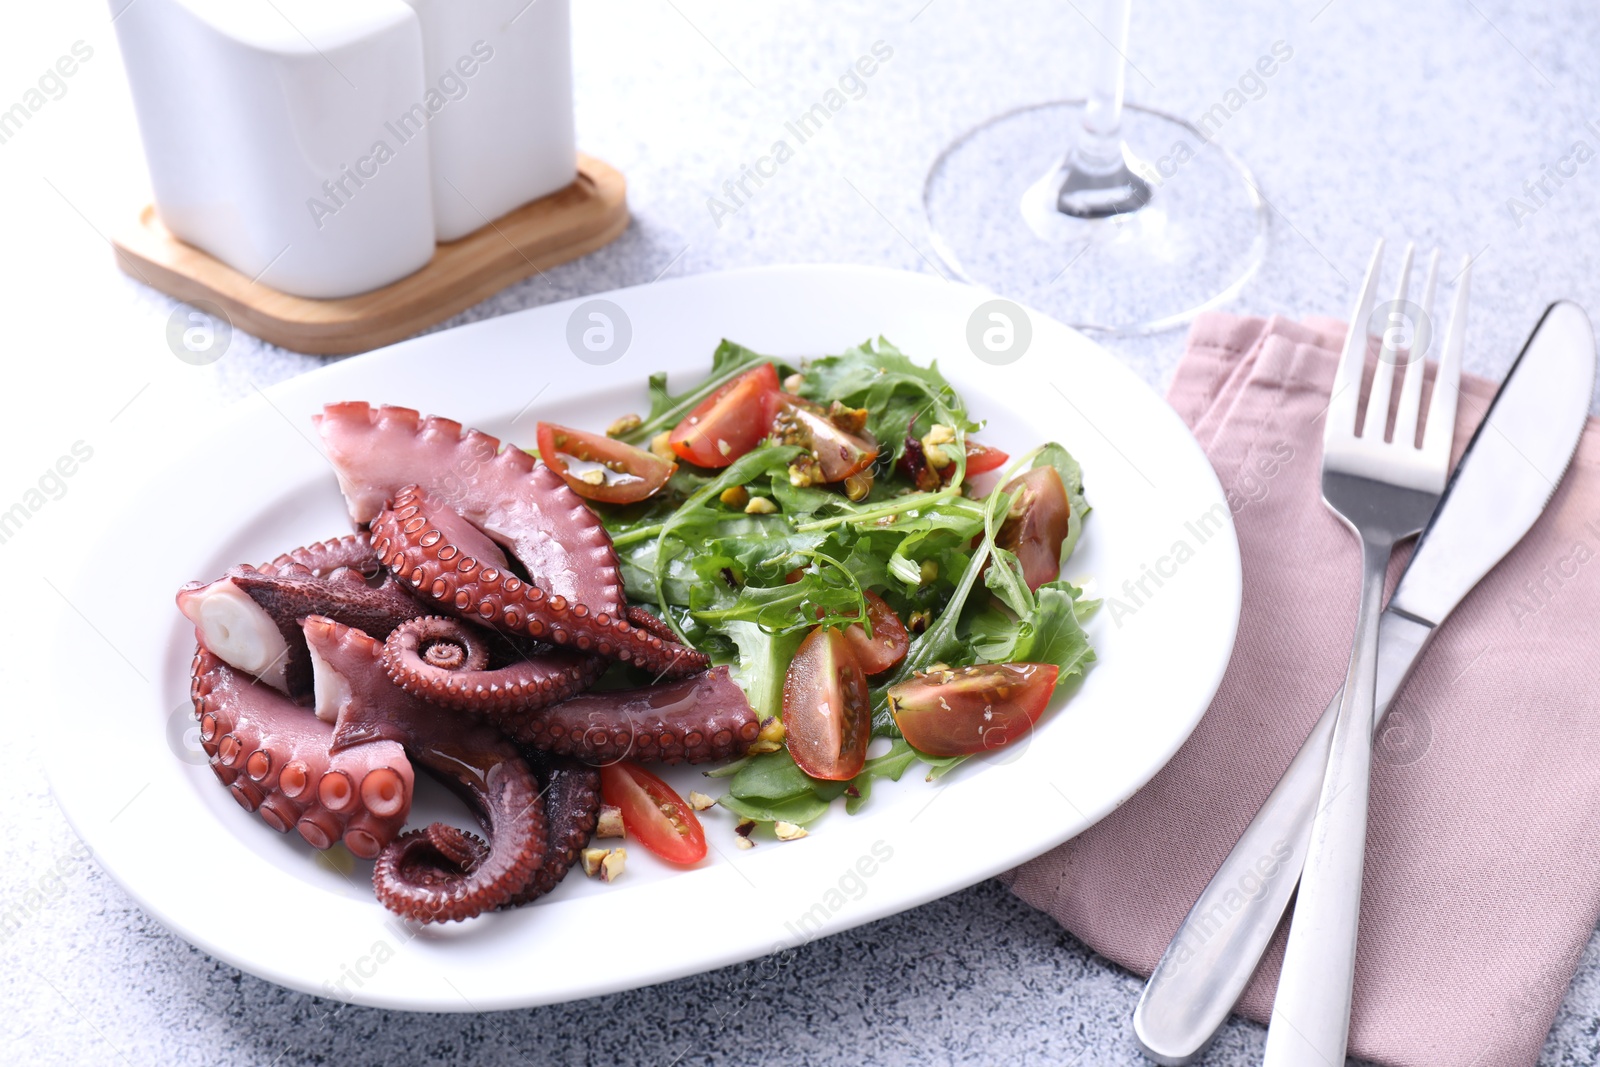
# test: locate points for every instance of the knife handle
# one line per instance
(1215, 952)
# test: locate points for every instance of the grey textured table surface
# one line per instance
(1420, 120)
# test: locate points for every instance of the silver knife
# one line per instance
(1499, 489)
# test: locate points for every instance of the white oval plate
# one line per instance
(270, 905)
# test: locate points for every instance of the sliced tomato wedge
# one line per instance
(839, 453)
(653, 813)
(969, 710)
(981, 458)
(888, 643)
(598, 467)
(729, 422)
(827, 715)
(1037, 524)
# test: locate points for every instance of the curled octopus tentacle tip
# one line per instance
(445, 661)
(417, 875)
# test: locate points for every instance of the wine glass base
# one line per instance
(989, 201)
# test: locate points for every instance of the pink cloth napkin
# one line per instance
(1483, 854)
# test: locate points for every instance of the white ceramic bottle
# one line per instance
(277, 135)
(498, 79)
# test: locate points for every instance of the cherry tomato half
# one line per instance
(839, 453)
(729, 422)
(827, 715)
(653, 813)
(981, 458)
(617, 473)
(969, 710)
(888, 643)
(1037, 524)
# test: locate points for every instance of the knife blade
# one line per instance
(1499, 489)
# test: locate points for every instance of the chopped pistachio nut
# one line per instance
(604, 863)
(760, 505)
(724, 447)
(858, 485)
(805, 471)
(933, 449)
(794, 383)
(610, 822)
(850, 420)
(735, 496)
(918, 621)
(788, 831)
(699, 801)
(661, 448)
(625, 425)
(593, 476)
(770, 739)
(744, 842)
(930, 570)
(611, 866)
(744, 827)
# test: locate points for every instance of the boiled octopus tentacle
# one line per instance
(518, 502)
(251, 618)
(572, 810)
(446, 662)
(324, 557)
(650, 622)
(452, 564)
(414, 876)
(273, 756)
(696, 720)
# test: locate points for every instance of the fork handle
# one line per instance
(1310, 1024)
(1216, 950)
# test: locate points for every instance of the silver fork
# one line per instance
(1385, 491)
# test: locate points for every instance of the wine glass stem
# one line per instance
(1099, 146)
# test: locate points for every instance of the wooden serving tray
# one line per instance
(571, 222)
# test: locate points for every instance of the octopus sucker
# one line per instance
(275, 758)
(493, 597)
(413, 876)
(696, 720)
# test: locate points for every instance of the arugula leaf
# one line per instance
(762, 664)
(802, 809)
(1050, 631)
(891, 765)
(769, 788)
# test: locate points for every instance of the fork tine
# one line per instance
(1376, 424)
(1405, 415)
(1346, 398)
(1440, 431)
